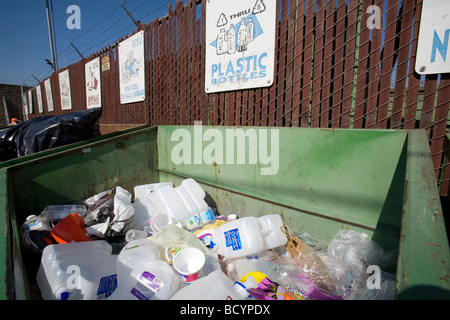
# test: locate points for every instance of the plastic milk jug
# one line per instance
(181, 202)
(248, 235)
(215, 286)
(141, 275)
(77, 271)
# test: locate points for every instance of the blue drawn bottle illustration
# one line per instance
(250, 30)
(231, 40)
(242, 37)
(222, 42)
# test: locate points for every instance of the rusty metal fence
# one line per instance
(333, 69)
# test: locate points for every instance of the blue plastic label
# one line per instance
(233, 240)
(107, 286)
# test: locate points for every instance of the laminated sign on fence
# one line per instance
(64, 89)
(93, 87)
(132, 71)
(433, 56)
(49, 95)
(240, 44)
(39, 99)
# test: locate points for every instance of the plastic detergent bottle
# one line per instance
(248, 235)
(77, 271)
(142, 275)
(215, 286)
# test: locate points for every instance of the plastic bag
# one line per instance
(312, 264)
(356, 252)
(46, 132)
(108, 212)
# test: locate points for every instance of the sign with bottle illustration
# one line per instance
(132, 72)
(49, 95)
(64, 89)
(93, 86)
(39, 99)
(240, 44)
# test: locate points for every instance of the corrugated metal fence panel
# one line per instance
(333, 70)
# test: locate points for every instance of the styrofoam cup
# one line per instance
(188, 263)
(160, 220)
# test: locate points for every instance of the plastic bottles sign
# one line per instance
(240, 44)
(433, 54)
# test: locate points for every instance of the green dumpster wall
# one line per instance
(379, 182)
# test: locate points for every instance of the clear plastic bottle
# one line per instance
(199, 220)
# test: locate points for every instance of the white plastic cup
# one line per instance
(188, 263)
(160, 220)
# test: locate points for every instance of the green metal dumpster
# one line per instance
(380, 182)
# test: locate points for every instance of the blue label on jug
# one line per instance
(107, 286)
(233, 240)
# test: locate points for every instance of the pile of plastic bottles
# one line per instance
(169, 243)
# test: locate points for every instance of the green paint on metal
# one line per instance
(424, 256)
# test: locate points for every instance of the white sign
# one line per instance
(39, 99)
(30, 100)
(433, 54)
(49, 95)
(25, 105)
(132, 71)
(240, 44)
(64, 89)
(93, 87)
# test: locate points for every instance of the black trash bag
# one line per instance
(46, 132)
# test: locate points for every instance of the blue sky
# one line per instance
(25, 41)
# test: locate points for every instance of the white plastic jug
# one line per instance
(181, 202)
(215, 286)
(142, 275)
(144, 206)
(77, 271)
(248, 235)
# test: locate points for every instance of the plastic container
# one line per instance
(199, 220)
(144, 206)
(188, 263)
(54, 213)
(141, 275)
(215, 286)
(181, 202)
(77, 271)
(248, 235)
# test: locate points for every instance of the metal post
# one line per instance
(77, 50)
(137, 23)
(50, 37)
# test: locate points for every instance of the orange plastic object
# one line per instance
(70, 229)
